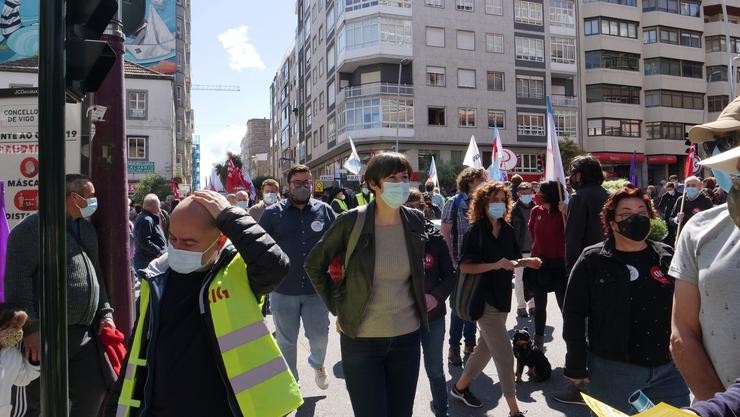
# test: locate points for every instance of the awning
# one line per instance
(611, 157)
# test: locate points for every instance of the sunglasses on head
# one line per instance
(722, 144)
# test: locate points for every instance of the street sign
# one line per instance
(140, 167)
(353, 178)
(318, 186)
(327, 178)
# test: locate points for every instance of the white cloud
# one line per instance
(243, 54)
(213, 147)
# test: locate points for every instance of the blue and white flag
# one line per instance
(354, 163)
(494, 171)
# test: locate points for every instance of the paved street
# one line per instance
(535, 398)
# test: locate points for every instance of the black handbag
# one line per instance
(467, 297)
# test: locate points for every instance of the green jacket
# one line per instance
(349, 298)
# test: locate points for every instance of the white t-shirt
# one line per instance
(708, 255)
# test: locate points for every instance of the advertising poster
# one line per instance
(19, 30)
(150, 27)
(19, 163)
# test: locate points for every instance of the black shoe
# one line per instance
(569, 395)
(517, 414)
(453, 357)
(466, 397)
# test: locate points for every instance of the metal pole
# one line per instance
(398, 102)
(108, 171)
(52, 213)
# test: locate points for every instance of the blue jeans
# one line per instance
(381, 374)
(431, 343)
(287, 311)
(612, 382)
(460, 328)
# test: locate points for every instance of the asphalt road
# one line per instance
(534, 398)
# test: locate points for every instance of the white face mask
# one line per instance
(185, 262)
(243, 204)
(89, 210)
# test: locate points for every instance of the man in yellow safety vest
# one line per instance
(200, 345)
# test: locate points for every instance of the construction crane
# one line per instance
(211, 87)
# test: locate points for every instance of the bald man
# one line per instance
(200, 345)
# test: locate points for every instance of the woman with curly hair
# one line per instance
(620, 295)
(490, 249)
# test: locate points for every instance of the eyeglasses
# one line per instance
(721, 144)
(297, 183)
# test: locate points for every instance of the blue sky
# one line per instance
(235, 42)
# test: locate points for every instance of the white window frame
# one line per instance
(435, 3)
(463, 40)
(434, 30)
(566, 124)
(469, 72)
(465, 5)
(141, 144)
(503, 80)
(528, 163)
(567, 48)
(528, 12)
(495, 43)
(530, 86)
(529, 49)
(468, 111)
(137, 104)
(495, 7)
(503, 118)
(440, 75)
(529, 128)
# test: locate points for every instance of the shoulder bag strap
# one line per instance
(354, 236)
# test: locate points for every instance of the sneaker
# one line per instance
(322, 379)
(569, 395)
(522, 312)
(466, 397)
(453, 356)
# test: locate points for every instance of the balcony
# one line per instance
(564, 101)
(375, 110)
(373, 40)
(375, 89)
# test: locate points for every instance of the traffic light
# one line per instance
(88, 58)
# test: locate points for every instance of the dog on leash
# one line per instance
(527, 354)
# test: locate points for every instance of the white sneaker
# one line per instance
(322, 379)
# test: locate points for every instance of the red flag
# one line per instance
(175, 189)
(692, 166)
(233, 176)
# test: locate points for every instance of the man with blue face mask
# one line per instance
(88, 310)
(706, 320)
(200, 346)
(270, 196)
(692, 202)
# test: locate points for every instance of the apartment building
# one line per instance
(645, 82)
(254, 147)
(423, 77)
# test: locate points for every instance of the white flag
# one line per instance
(472, 157)
(433, 173)
(553, 161)
(216, 184)
(354, 163)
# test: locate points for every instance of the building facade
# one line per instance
(425, 76)
(185, 117)
(196, 162)
(255, 147)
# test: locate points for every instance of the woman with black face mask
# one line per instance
(621, 290)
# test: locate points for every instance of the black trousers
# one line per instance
(86, 383)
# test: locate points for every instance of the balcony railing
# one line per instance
(352, 5)
(564, 101)
(375, 89)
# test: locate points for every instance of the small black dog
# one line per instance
(529, 355)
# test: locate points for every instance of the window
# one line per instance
(650, 35)
(331, 93)
(434, 3)
(436, 76)
(137, 104)
(718, 43)
(330, 19)
(373, 30)
(456, 157)
(562, 13)
(527, 12)
(566, 124)
(466, 40)
(675, 99)
(675, 67)
(436, 116)
(309, 116)
(716, 103)
(330, 59)
(613, 60)
(673, 36)
(683, 7)
(137, 147)
(321, 134)
(611, 93)
(563, 50)
(530, 124)
(717, 73)
(465, 5)
(529, 49)
(179, 95)
(612, 27)
(321, 67)
(530, 86)
(178, 128)
(495, 7)
(666, 130)
(331, 130)
(496, 118)
(614, 127)
(494, 43)
(321, 101)
(495, 81)
(528, 163)
(466, 117)
(435, 37)
(466, 78)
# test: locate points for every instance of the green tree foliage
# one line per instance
(568, 151)
(447, 172)
(152, 184)
(222, 167)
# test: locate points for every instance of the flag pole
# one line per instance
(678, 229)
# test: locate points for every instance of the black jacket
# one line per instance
(148, 238)
(690, 208)
(348, 299)
(665, 206)
(266, 265)
(520, 222)
(584, 221)
(439, 274)
(598, 293)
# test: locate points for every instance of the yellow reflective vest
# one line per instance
(342, 204)
(261, 385)
(361, 199)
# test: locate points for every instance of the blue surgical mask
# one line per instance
(89, 210)
(724, 181)
(185, 262)
(692, 192)
(270, 198)
(526, 199)
(243, 204)
(395, 194)
(496, 210)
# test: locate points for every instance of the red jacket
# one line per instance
(548, 233)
